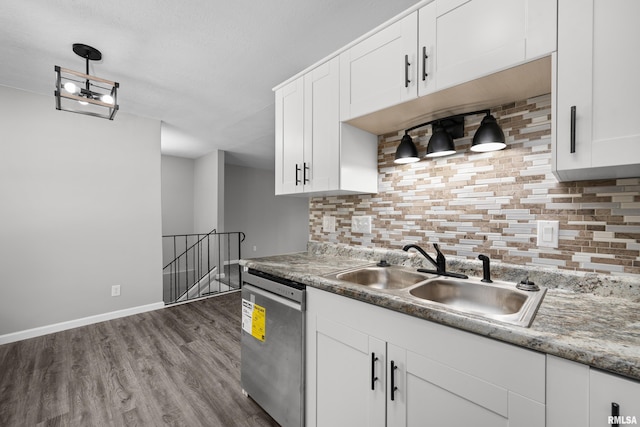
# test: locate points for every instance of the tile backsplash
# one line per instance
(489, 203)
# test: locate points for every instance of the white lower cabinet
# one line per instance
(580, 396)
(347, 360)
(368, 366)
(613, 400)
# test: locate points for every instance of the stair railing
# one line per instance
(205, 267)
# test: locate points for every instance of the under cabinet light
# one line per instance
(488, 137)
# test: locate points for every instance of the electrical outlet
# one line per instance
(115, 291)
(361, 224)
(548, 234)
(328, 224)
(255, 248)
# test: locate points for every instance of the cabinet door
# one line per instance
(381, 70)
(597, 77)
(477, 37)
(607, 390)
(567, 393)
(289, 134)
(321, 166)
(427, 19)
(350, 383)
(440, 395)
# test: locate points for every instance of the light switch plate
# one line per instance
(328, 224)
(548, 234)
(361, 224)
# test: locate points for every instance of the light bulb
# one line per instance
(107, 99)
(71, 88)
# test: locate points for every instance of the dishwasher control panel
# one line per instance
(277, 285)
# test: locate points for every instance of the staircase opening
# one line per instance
(201, 265)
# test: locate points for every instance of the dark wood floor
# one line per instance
(178, 366)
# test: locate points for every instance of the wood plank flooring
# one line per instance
(179, 366)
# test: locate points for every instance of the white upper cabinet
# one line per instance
(321, 166)
(289, 137)
(315, 153)
(468, 39)
(597, 128)
(381, 70)
(442, 44)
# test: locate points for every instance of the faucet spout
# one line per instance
(423, 253)
(440, 263)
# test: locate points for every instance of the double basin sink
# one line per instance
(498, 301)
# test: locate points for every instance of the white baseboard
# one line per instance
(70, 324)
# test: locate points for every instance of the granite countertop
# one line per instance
(584, 326)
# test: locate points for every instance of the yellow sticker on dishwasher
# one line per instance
(258, 322)
(254, 319)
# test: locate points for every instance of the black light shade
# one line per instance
(489, 136)
(440, 143)
(406, 151)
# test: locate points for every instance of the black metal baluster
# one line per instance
(241, 237)
(175, 281)
(219, 252)
(186, 263)
(208, 264)
(228, 261)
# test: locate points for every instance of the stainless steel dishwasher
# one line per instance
(272, 345)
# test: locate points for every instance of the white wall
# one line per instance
(274, 225)
(177, 195)
(208, 189)
(80, 211)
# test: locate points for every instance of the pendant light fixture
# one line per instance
(407, 152)
(488, 137)
(85, 94)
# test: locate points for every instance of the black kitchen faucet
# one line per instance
(440, 263)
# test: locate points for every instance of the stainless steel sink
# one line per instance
(471, 297)
(497, 300)
(392, 277)
(500, 301)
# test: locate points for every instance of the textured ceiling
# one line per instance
(204, 67)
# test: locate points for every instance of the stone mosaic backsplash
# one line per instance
(472, 203)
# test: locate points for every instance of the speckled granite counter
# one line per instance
(600, 331)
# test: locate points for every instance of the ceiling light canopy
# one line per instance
(85, 94)
(488, 137)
